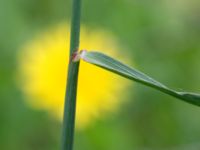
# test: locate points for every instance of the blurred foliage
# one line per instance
(163, 38)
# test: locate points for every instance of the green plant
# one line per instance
(108, 63)
(70, 98)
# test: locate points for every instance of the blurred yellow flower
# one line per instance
(43, 68)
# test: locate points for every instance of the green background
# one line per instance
(163, 38)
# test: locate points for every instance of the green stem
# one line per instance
(70, 97)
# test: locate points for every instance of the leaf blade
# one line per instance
(117, 67)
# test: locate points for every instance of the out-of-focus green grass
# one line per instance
(164, 41)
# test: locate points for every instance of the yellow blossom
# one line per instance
(43, 64)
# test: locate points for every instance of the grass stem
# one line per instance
(71, 90)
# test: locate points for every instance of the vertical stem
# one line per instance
(70, 97)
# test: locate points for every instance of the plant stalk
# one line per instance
(72, 80)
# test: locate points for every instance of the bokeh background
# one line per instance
(163, 39)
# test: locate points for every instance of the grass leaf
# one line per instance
(113, 65)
